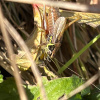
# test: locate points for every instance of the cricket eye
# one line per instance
(51, 47)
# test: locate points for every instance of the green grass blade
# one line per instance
(78, 54)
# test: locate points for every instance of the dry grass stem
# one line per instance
(61, 4)
(17, 77)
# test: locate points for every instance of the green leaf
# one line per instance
(8, 90)
(59, 87)
(55, 89)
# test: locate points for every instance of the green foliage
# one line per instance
(78, 54)
(8, 90)
(1, 78)
(95, 94)
(55, 89)
(60, 87)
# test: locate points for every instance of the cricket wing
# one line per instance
(58, 29)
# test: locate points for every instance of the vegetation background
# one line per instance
(76, 62)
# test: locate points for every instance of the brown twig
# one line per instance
(12, 58)
(65, 5)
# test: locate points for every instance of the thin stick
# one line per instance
(65, 5)
(80, 88)
(21, 91)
